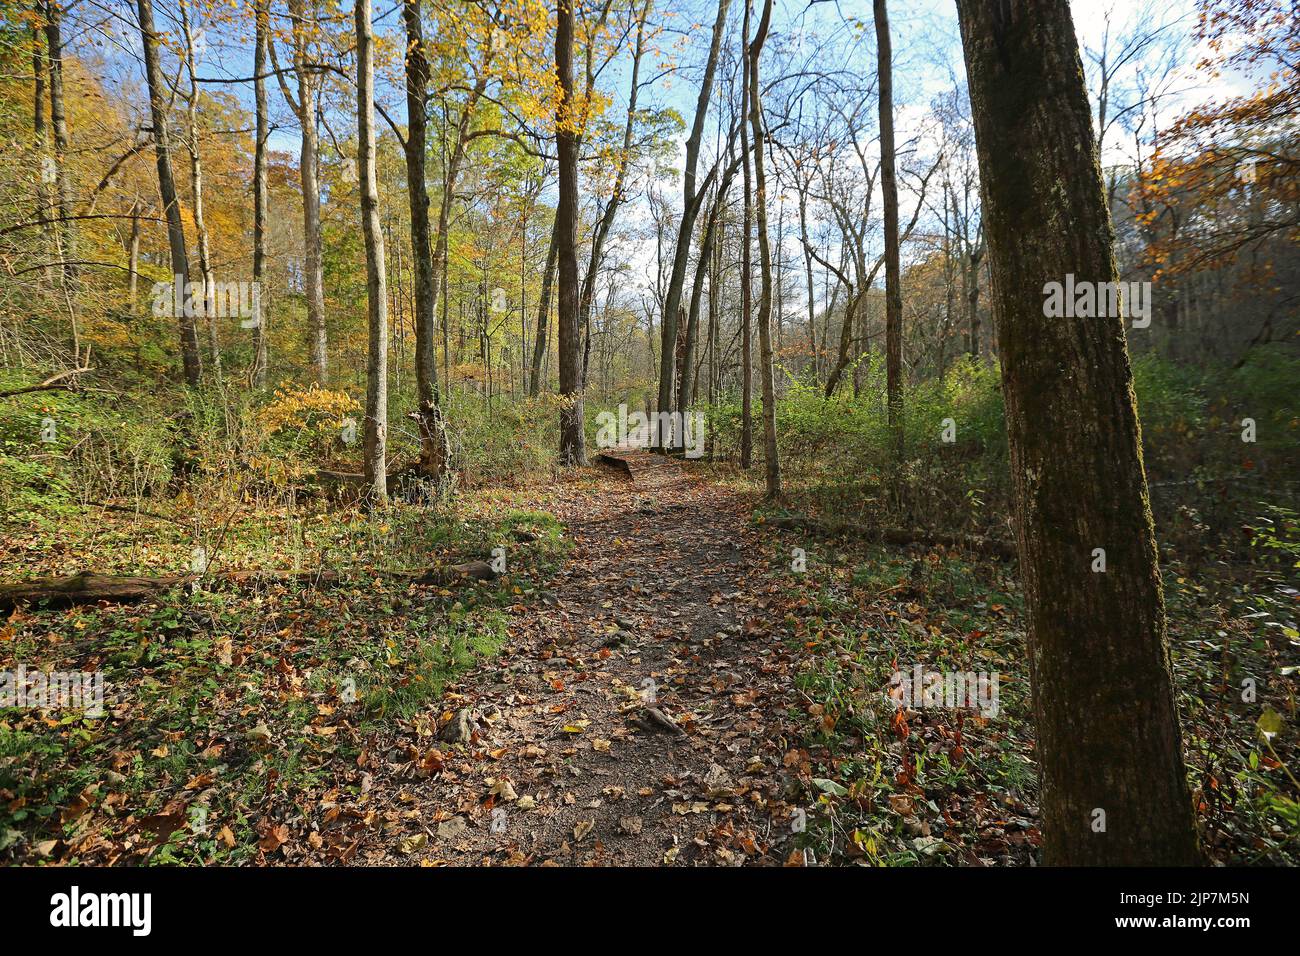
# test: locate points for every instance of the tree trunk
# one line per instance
(305, 106)
(686, 227)
(889, 190)
(572, 438)
(167, 190)
(686, 390)
(59, 123)
(41, 137)
(208, 310)
(973, 297)
(617, 194)
(771, 461)
(808, 277)
(543, 313)
(133, 257)
(1114, 789)
(257, 376)
(746, 294)
(434, 447)
(376, 438)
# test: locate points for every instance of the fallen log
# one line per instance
(59, 381)
(88, 587)
(615, 462)
(1006, 550)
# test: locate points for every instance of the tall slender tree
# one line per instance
(572, 439)
(771, 461)
(59, 126)
(1114, 789)
(261, 206)
(692, 198)
(303, 26)
(746, 292)
(376, 432)
(190, 358)
(541, 339)
(206, 309)
(889, 193)
(434, 447)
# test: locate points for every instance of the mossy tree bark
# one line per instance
(1108, 737)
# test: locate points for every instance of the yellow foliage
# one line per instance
(298, 408)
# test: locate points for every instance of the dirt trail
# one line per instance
(661, 610)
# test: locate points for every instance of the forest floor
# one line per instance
(639, 715)
(660, 677)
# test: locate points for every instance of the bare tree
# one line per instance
(692, 198)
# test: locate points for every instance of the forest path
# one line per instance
(662, 610)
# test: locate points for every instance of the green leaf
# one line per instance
(830, 786)
(1270, 723)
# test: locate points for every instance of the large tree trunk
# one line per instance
(167, 190)
(376, 438)
(686, 227)
(257, 375)
(434, 448)
(893, 276)
(572, 438)
(771, 461)
(1114, 790)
